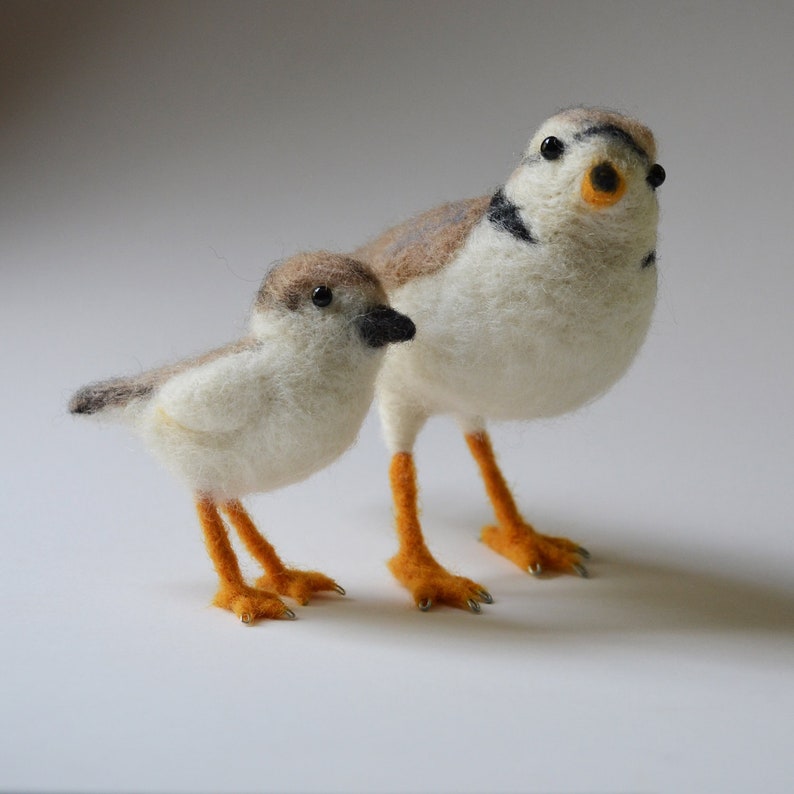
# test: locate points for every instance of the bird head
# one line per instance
(324, 297)
(591, 174)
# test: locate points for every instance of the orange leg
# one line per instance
(300, 585)
(514, 538)
(233, 594)
(413, 565)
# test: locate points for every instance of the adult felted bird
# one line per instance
(264, 412)
(530, 302)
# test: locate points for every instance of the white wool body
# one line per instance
(276, 406)
(516, 330)
(266, 416)
(265, 411)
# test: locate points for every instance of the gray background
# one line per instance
(154, 159)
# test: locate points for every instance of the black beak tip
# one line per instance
(383, 325)
(405, 328)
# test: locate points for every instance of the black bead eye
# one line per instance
(656, 176)
(321, 297)
(552, 148)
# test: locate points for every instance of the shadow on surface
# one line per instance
(666, 589)
(626, 597)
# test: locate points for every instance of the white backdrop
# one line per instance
(155, 158)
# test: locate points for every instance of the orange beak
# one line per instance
(603, 185)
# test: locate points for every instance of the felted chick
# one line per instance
(264, 412)
(530, 303)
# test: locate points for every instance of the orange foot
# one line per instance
(249, 604)
(429, 583)
(299, 585)
(536, 553)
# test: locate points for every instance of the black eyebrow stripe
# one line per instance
(615, 132)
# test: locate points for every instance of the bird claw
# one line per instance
(247, 618)
(473, 605)
(248, 603)
(581, 570)
(298, 585)
(430, 584)
(535, 553)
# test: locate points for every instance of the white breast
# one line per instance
(271, 419)
(511, 330)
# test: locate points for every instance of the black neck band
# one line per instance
(504, 214)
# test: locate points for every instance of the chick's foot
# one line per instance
(536, 553)
(249, 603)
(429, 583)
(298, 585)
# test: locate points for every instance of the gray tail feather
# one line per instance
(117, 393)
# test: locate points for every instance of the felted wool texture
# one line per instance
(413, 565)
(422, 244)
(529, 304)
(233, 594)
(512, 536)
(264, 412)
(273, 408)
(298, 585)
(511, 329)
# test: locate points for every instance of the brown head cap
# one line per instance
(291, 282)
(600, 118)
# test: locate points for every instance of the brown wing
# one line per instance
(424, 244)
(118, 392)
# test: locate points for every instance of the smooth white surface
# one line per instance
(154, 160)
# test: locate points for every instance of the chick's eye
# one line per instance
(321, 297)
(552, 148)
(656, 176)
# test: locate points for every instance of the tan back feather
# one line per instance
(423, 244)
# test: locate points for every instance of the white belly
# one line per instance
(503, 334)
(298, 431)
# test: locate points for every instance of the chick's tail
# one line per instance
(117, 393)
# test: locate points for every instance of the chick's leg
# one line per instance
(233, 594)
(513, 537)
(413, 565)
(300, 585)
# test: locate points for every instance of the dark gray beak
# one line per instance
(382, 325)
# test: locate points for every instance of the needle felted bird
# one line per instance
(529, 303)
(264, 412)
